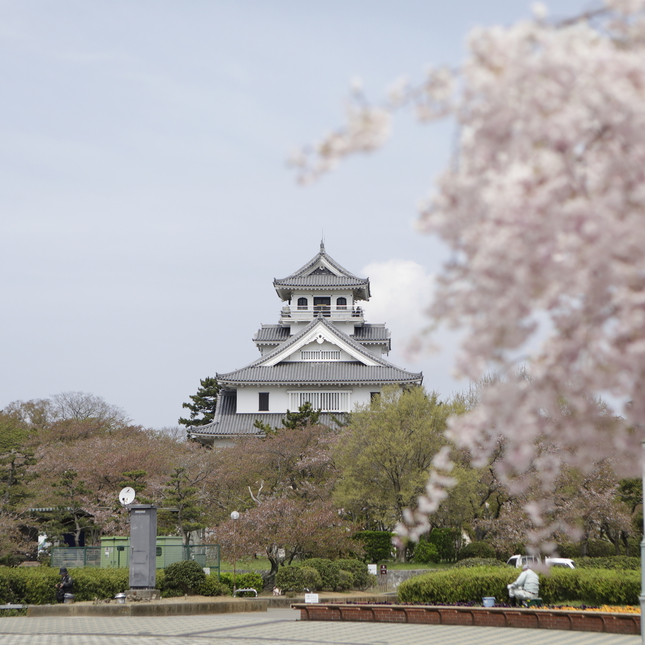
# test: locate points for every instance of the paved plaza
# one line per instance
(276, 627)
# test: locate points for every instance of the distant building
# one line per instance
(321, 351)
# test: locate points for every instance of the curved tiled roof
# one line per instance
(369, 332)
(311, 372)
(316, 275)
(321, 281)
(272, 334)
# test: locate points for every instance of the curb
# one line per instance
(584, 621)
(180, 608)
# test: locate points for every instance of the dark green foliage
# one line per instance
(306, 416)
(594, 587)
(248, 580)
(445, 540)
(328, 570)
(298, 579)
(185, 576)
(36, 586)
(361, 578)
(311, 579)
(345, 581)
(568, 550)
(480, 562)
(600, 549)
(202, 408)
(214, 587)
(377, 545)
(290, 579)
(614, 562)
(425, 552)
(477, 550)
(181, 494)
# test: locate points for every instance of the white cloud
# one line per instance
(402, 291)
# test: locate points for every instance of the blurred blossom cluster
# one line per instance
(543, 208)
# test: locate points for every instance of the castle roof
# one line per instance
(322, 273)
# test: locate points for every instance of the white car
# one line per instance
(519, 561)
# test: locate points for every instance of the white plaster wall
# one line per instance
(248, 399)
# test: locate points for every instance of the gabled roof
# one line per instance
(322, 272)
(365, 367)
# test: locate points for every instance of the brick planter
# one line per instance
(584, 621)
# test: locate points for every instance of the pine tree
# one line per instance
(202, 408)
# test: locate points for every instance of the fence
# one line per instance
(114, 557)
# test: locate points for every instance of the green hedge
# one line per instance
(247, 580)
(377, 544)
(591, 586)
(37, 586)
(614, 562)
(480, 562)
(319, 574)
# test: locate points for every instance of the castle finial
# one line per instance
(322, 246)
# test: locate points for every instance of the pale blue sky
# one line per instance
(145, 202)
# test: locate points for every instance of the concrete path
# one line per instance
(276, 627)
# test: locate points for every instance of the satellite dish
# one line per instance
(126, 496)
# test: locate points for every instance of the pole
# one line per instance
(234, 516)
(642, 596)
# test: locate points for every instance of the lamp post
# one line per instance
(642, 596)
(234, 516)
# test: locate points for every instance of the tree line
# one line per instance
(302, 490)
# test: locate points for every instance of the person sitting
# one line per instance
(526, 587)
(66, 585)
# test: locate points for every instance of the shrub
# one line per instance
(477, 550)
(99, 583)
(37, 586)
(185, 577)
(615, 562)
(361, 576)
(289, 579)
(600, 549)
(298, 579)
(311, 579)
(214, 587)
(377, 544)
(595, 586)
(328, 570)
(345, 581)
(247, 580)
(444, 540)
(568, 550)
(425, 552)
(479, 562)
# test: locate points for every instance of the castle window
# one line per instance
(303, 303)
(263, 402)
(341, 303)
(319, 354)
(339, 401)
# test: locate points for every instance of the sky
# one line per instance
(145, 201)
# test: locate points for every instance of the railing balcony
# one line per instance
(295, 313)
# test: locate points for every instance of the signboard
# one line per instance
(384, 569)
(311, 597)
(372, 568)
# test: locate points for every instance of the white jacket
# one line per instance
(529, 581)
